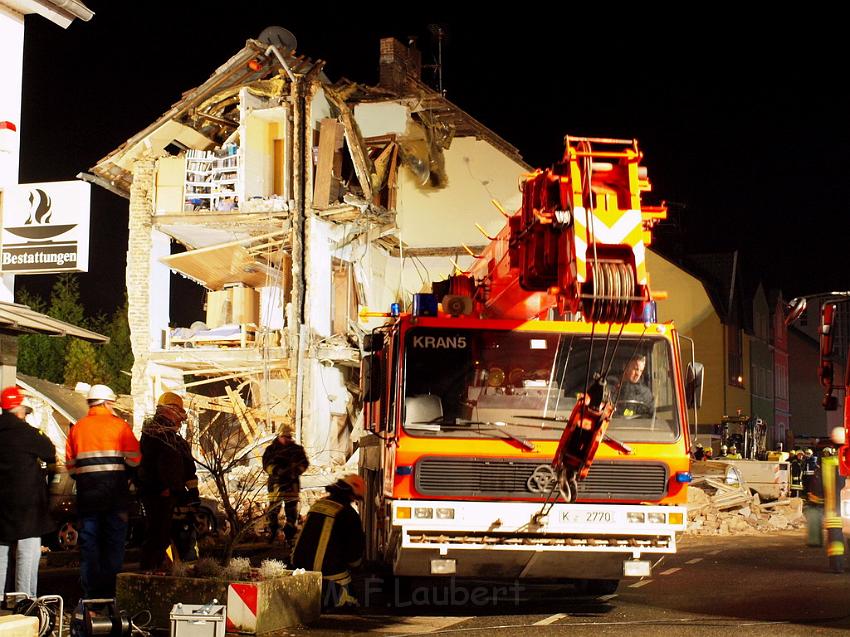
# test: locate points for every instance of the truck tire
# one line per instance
(597, 586)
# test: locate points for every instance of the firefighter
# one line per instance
(24, 514)
(699, 452)
(167, 480)
(825, 492)
(797, 465)
(332, 540)
(284, 461)
(723, 451)
(100, 453)
(810, 465)
(733, 453)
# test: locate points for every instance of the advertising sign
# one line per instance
(46, 228)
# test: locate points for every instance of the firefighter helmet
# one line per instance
(170, 398)
(356, 484)
(352, 485)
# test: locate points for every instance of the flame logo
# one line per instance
(40, 203)
(38, 226)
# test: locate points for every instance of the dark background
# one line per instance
(742, 119)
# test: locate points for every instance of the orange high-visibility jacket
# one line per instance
(100, 449)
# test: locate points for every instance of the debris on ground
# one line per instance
(718, 508)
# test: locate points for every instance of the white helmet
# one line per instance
(101, 393)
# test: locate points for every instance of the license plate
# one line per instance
(587, 517)
(636, 568)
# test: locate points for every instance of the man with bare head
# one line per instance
(633, 391)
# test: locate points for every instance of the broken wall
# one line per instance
(477, 172)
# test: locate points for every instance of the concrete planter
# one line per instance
(252, 607)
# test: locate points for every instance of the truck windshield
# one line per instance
(528, 382)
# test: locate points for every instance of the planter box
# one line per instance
(252, 607)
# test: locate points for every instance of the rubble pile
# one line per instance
(716, 508)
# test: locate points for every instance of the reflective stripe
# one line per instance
(835, 548)
(339, 578)
(105, 453)
(98, 467)
(322, 546)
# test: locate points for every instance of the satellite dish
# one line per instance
(279, 37)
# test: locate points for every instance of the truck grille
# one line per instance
(497, 477)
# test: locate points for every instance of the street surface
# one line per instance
(766, 585)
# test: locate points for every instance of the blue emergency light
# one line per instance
(425, 304)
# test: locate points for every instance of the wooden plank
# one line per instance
(240, 409)
(234, 398)
(392, 180)
(330, 141)
(356, 147)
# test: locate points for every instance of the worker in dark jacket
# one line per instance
(332, 540)
(166, 477)
(284, 461)
(24, 516)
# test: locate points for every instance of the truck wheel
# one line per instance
(597, 586)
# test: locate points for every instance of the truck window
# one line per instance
(456, 379)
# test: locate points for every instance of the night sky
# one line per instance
(743, 120)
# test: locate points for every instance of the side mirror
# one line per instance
(373, 342)
(694, 384)
(371, 378)
(795, 308)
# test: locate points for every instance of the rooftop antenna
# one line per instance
(439, 34)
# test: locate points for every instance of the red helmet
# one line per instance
(11, 398)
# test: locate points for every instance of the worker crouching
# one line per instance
(332, 541)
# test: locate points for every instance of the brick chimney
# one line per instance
(397, 64)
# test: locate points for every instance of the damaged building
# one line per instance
(296, 202)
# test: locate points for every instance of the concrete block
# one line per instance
(292, 600)
(18, 626)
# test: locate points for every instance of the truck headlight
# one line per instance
(656, 518)
(638, 517)
(445, 514)
(423, 513)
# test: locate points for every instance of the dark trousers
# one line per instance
(290, 510)
(159, 511)
(102, 539)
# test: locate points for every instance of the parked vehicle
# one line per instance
(209, 518)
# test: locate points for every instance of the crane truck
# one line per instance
(529, 418)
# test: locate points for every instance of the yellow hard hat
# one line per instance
(170, 398)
